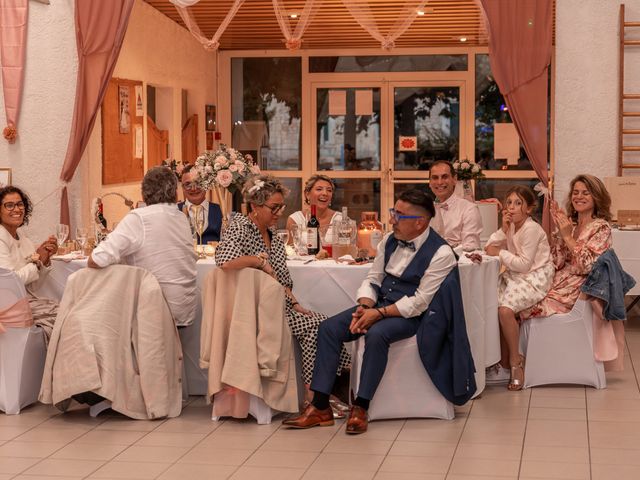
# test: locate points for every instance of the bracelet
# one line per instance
(293, 304)
(263, 262)
(380, 312)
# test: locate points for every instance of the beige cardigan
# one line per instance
(114, 336)
(245, 340)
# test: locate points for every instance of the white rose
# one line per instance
(465, 165)
(217, 166)
(475, 169)
(456, 165)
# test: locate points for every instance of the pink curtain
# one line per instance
(13, 38)
(100, 29)
(520, 34)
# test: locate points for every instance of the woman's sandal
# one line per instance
(514, 383)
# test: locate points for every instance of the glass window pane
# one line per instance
(491, 108)
(395, 63)
(358, 195)
(266, 100)
(293, 200)
(399, 188)
(496, 188)
(348, 128)
(431, 117)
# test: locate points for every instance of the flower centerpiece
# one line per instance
(175, 166)
(467, 171)
(224, 171)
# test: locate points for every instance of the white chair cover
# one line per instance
(22, 353)
(489, 215)
(559, 349)
(406, 391)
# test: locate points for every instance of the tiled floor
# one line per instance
(560, 433)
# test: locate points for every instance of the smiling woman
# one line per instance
(19, 254)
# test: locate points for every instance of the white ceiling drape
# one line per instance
(189, 20)
(293, 37)
(184, 3)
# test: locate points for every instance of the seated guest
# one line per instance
(318, 191)
(19, 254)
(582, 235)
(250, 242)
(457, 220)
(523, 249)
(195, 195)
(413, 288)
(157, 238)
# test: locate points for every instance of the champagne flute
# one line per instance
(62, 232)
(81, 237)
(283, 235)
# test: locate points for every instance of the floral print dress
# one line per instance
(572, 269)
(242, 238)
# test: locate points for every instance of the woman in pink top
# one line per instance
(523, 249)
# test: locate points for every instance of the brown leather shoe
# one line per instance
(358, 421)
(311, 417)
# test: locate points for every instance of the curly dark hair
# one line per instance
(159, 185)
(28, 206)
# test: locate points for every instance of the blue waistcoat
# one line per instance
(214, 223)
(442, 335)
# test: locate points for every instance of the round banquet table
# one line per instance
(330, 287)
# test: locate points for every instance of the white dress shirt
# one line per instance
(525, 250)
(441, 264)
(458, 221)
(158, 239)
(14, 255)
(205, 208)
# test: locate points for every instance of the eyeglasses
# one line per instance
(191, 186)
(397, 217)
(11, 205)
(275, 209)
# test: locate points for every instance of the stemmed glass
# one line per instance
(62, 232)
(197, 222)
(283, 235)
(81, 237)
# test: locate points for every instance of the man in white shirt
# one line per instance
(410, 265)
(195, 196)
(457, 220)
(157, 238)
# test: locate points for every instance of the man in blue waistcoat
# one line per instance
(413, 288)
(194, 195)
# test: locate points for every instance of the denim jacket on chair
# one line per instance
(610, 283)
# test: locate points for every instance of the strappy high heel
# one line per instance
(514, 383)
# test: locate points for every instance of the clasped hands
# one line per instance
(561, 220)
(363, 318)
(46, 249)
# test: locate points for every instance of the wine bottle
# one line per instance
(313, 233)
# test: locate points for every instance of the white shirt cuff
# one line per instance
(367, 291)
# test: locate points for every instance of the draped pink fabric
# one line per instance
(17, 315)
(13, 38)
(520, 35)
(100, 30)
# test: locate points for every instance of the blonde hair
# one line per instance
(312, 181)
(599, 193)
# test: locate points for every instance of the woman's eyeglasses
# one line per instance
(12, 205)
(275, 209)
(396, 216)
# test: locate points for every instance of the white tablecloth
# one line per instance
(626, 243)
(329, 287)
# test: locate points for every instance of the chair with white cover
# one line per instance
(247, 346)
(22, 347)
(559, 349)
(406, 391)
(489, 215)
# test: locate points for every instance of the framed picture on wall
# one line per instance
(210, 117)
(209, 136)
(5, 177)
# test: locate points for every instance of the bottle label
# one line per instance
(312, 238)
(376, 236)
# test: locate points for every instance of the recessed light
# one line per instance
(420, 12)
(294, 15)
(463, 39)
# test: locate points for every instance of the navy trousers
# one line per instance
(334, 331)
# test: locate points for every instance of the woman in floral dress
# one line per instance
(583, 234)
(250, 242)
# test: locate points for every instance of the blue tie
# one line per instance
(410, 245)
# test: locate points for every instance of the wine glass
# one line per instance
(81, 237)
(62, 232)
(283, 235)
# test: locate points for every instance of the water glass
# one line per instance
(81, 237)
(62, 232)
(283, 235)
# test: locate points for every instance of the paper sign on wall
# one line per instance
(138, 141)
(364, 102)
(337, 102)
(506, 143)
(407, 144)
(139, 106)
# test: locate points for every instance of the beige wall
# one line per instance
(586, 87)
(158, 52)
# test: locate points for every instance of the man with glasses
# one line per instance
(413, 288)
(457, 220)
(194, 195)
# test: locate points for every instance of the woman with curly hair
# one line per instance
(250, 242)
(19, 254)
